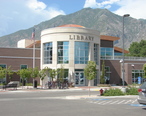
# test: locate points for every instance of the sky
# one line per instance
(22, 14)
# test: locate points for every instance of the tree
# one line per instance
(60, 76)
(42, 74)
(50, 72)
(102, 80)
(90, 72)
(34, 72)
(24, 74)
(60, 72)
(2, 73)
(53, 73)
(138, 49)
(47, 71)
(6, 72)
(9, 72)
(134, 49)
(144, 69)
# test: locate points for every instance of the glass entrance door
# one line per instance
(79, 78)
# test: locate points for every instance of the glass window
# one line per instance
(23, 66)
(107, 74)
(3, 80)
(48, 50)
(79, 70)
(106, 52)
(3, 65)
(117, 54)
(136, 74)
(107, 68)
(96, 48)
(63, 52)
(81, 52)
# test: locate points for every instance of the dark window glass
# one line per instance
(63, 52)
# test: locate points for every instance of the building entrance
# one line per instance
(79, 78)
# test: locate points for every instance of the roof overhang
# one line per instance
(108, 38)
(120, 49)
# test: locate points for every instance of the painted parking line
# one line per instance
(121, 102)
(109, 101)
(137, 105)
(114, 102)
(101, 102)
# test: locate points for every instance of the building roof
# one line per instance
(120, 49)
(37, 44)
(102, 37)
(109, 38)
(71, 25)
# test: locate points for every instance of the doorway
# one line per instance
(79, 78)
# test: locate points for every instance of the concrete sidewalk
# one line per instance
(99, 97)
(39, 88)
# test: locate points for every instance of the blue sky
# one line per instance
(22, 14)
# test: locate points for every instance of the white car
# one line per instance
(142, 94)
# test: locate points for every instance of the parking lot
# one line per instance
(54, 103)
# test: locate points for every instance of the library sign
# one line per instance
(81, 37)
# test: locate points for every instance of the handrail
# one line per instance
(120, 57)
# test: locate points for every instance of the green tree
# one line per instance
(6, 72)
(47, 71)
(138, 49)
(60, 72)
(50, 72)
(144, 68)
(42, 74)
(102, 80)
(90, 72)
(9, 72)
(24, 74)
(53, 73)
(134, 49)
(2, 73)
(34, 72)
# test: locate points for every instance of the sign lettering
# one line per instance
(81, 37)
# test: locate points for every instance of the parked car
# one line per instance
(142, 94)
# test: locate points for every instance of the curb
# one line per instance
(99, 97)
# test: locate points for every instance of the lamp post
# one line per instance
(123, 70)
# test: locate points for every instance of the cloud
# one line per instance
(36, 5)
(103, 4)
(90, 3)
(22, 14)
(136, 8)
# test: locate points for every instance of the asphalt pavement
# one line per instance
(66, 102)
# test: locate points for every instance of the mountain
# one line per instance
(102, 20)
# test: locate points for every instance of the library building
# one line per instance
(71, 46)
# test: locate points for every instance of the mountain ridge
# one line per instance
(102, 20)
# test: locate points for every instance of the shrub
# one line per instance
(131, 91)
(113, 92)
